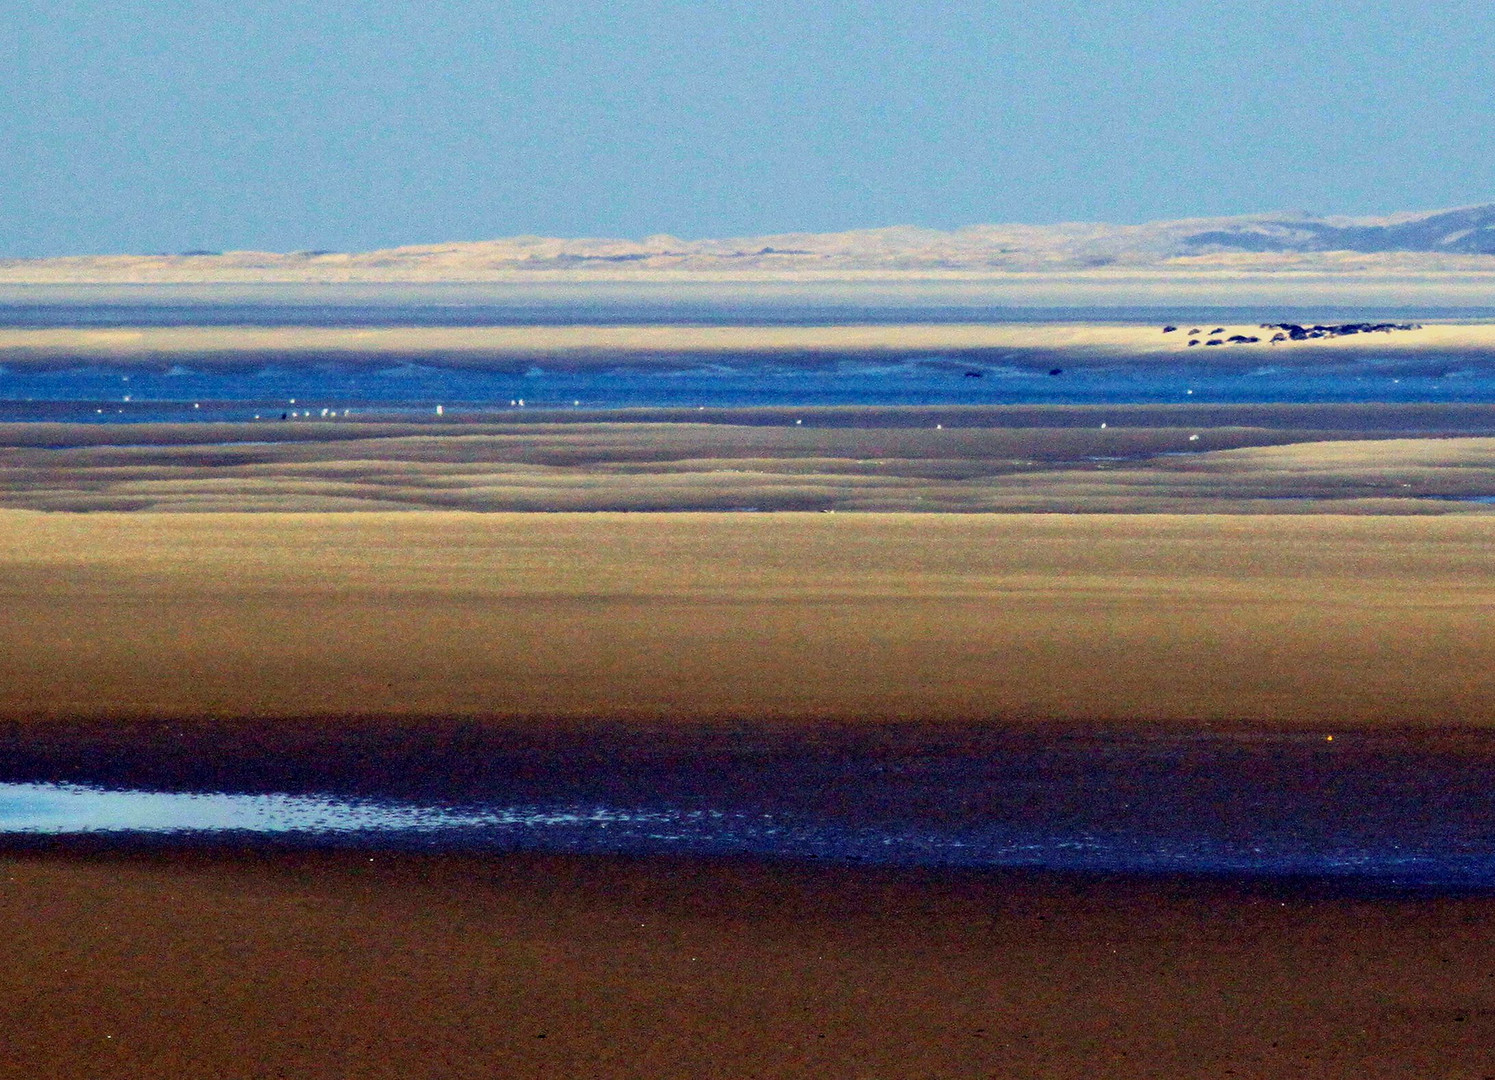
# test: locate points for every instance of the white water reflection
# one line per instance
(59, 809)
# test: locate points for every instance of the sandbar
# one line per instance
(1155, 619)
(507, 348)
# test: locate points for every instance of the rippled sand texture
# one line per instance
(1311, 620)
(1351, 459)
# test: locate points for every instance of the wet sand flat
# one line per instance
(1406, 459)
(256, 965)
(194, 639)
(1310, 620)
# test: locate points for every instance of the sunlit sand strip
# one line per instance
(472, 345)
(798, 617)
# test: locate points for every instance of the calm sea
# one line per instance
(388, 388)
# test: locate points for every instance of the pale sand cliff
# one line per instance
(1315, 621)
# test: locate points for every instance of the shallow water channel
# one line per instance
(1414, 811)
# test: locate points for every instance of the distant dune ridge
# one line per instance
(1457, 240)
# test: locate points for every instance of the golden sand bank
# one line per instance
(1312, 620)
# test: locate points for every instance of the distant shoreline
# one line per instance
(668, 345)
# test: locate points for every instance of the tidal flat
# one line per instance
(1038, 707)
(1334, 457)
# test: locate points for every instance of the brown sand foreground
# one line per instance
(345, 966)
(1311, 620)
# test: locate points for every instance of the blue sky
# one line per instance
(279, 124)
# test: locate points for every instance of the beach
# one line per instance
(1220, 641)
(656, 541)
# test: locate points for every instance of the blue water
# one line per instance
(265, 390)
(1389, 811)
(105, 395)
(59, 810)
